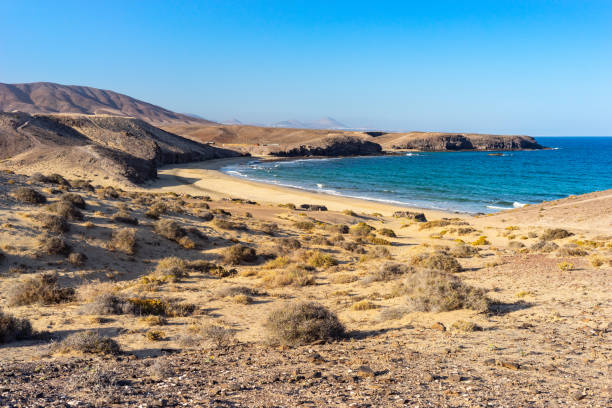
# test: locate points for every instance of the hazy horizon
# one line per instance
(536, 68)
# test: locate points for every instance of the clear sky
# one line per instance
(529, 67)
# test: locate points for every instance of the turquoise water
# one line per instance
(458, 181)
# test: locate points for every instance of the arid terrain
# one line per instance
(203, 290)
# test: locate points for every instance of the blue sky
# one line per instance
(529, 67)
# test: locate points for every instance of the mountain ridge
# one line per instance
(50, 98)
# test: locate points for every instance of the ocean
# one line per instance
(471, 182)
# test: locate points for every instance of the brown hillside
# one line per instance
(116, 148)
(47, 97)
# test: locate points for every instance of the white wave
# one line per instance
(495, 207)
(517, 204)
(320, 185)
(412, 154)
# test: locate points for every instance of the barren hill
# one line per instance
(249, 137)
(117, 148)
(47, 97)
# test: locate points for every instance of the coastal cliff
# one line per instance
(439, 142)
(335, 146)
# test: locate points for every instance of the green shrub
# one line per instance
(303, 323)
(361, 229)
(318, 259)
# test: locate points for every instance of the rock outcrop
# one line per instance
(120, 148)
(334, 146)
(435, 142)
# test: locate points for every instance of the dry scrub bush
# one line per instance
(373, 239)
(343, 278)
(269, 228)
(318, 259)
(12, 328)
(295, 276)
(124, 217)
(439, 261)
(232, 291)
(434, 291)
(389, 271)
(155, 335)
(52, 179)
(89, 342)
(157, 209)
(118, 304)
(123, 240)
(392, 313)
(387, 232)
(304, 225)
(229, 225)
(42, 289)
(171, 269)
(107, 193)
(29, 196)
(53, 246)
(554, 234)
(303, 323)
(434, 224)
(65, 209)
(153, 320)
(77, 258)
(597, 261)
(352, 247)
(238, 254)
(363, 305)
(544, 246)
(288, 205)
(82, 185)
(51, 223)
(219, 336)
(361, 229)
(515, 245)
(169, 229)
(571, 250)
(464, 251)
(336, 228)
(287, 245)
(350, 213)
(465, 326)
(75, 199)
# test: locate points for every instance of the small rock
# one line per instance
(508, 364)
(489, 362)
(365, 371)
(427, 377)
(578, 395)
(454, 377)
(438, 326)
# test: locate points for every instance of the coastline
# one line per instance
(206, 178)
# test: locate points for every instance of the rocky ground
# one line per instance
(543, 341)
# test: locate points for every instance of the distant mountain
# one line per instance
(323, 123)
(232, 121)
(47, 97)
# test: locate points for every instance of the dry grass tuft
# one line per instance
(465, 326)
(303, 323)
(42, 289)
(387, 232)
(571, 250)
(77, 258)
(361, 229)
(171, 269)
(318, 259)
(389, 271)
(229, 225)
(124, 217)
(169, 229)
(364, 305)
(464, 251)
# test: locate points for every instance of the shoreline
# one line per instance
(206, 178)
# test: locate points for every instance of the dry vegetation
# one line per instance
(216, 290)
